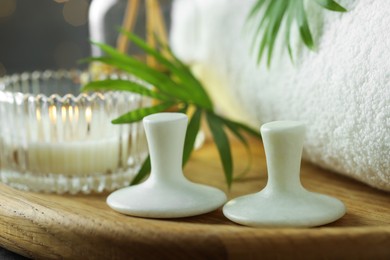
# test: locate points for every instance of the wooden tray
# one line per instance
(83, 227)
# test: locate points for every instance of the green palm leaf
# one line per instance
(156, 78)
(178, 69)
(331, 5)
(177, 86)
(303, 25)
(235, 129)
(222, 142)
(192, 132)
(277, 12)
(143, 172)
(139, 114)
(242, 127)
(125, 85)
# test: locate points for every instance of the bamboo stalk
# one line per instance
(150, 24)
(155, 26)
(160, 28)
(128, 24)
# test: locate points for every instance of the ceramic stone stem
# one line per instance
(166, 142)
(283, 148)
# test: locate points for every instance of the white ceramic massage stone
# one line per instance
(166, 193)
(284, 202)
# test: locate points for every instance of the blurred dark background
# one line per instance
(42, 34)
(53, 34)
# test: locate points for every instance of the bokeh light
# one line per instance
(76, 12)
(7, 7)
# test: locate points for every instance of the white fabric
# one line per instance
(341, 90)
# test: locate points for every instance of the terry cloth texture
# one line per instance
(341, 90)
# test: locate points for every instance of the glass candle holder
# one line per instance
(55, 139)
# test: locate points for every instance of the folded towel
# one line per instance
(341, 90)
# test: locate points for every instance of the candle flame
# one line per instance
(76, 113)
(63, 114)
(53, 114)
(38, 115)
(88, 114)
(70, 113)
(73, 113)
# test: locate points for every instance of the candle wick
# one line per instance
(88, 117)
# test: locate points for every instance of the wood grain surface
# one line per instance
(49, 226)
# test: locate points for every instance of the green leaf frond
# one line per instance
(143, 171)
(125, 85)
(174, 86)
(274, 14)
(192, 132)
(223, 145)
(138, 114)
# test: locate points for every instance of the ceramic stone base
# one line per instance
(152, 200)
(303, 209)
(284, 202)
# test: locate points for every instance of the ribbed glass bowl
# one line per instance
(55, 139)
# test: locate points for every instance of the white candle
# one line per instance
(75, 142)
(77, 157)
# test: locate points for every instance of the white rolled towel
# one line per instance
(341, 90)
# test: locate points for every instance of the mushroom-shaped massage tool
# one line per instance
(166, 193)
(284, 202)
